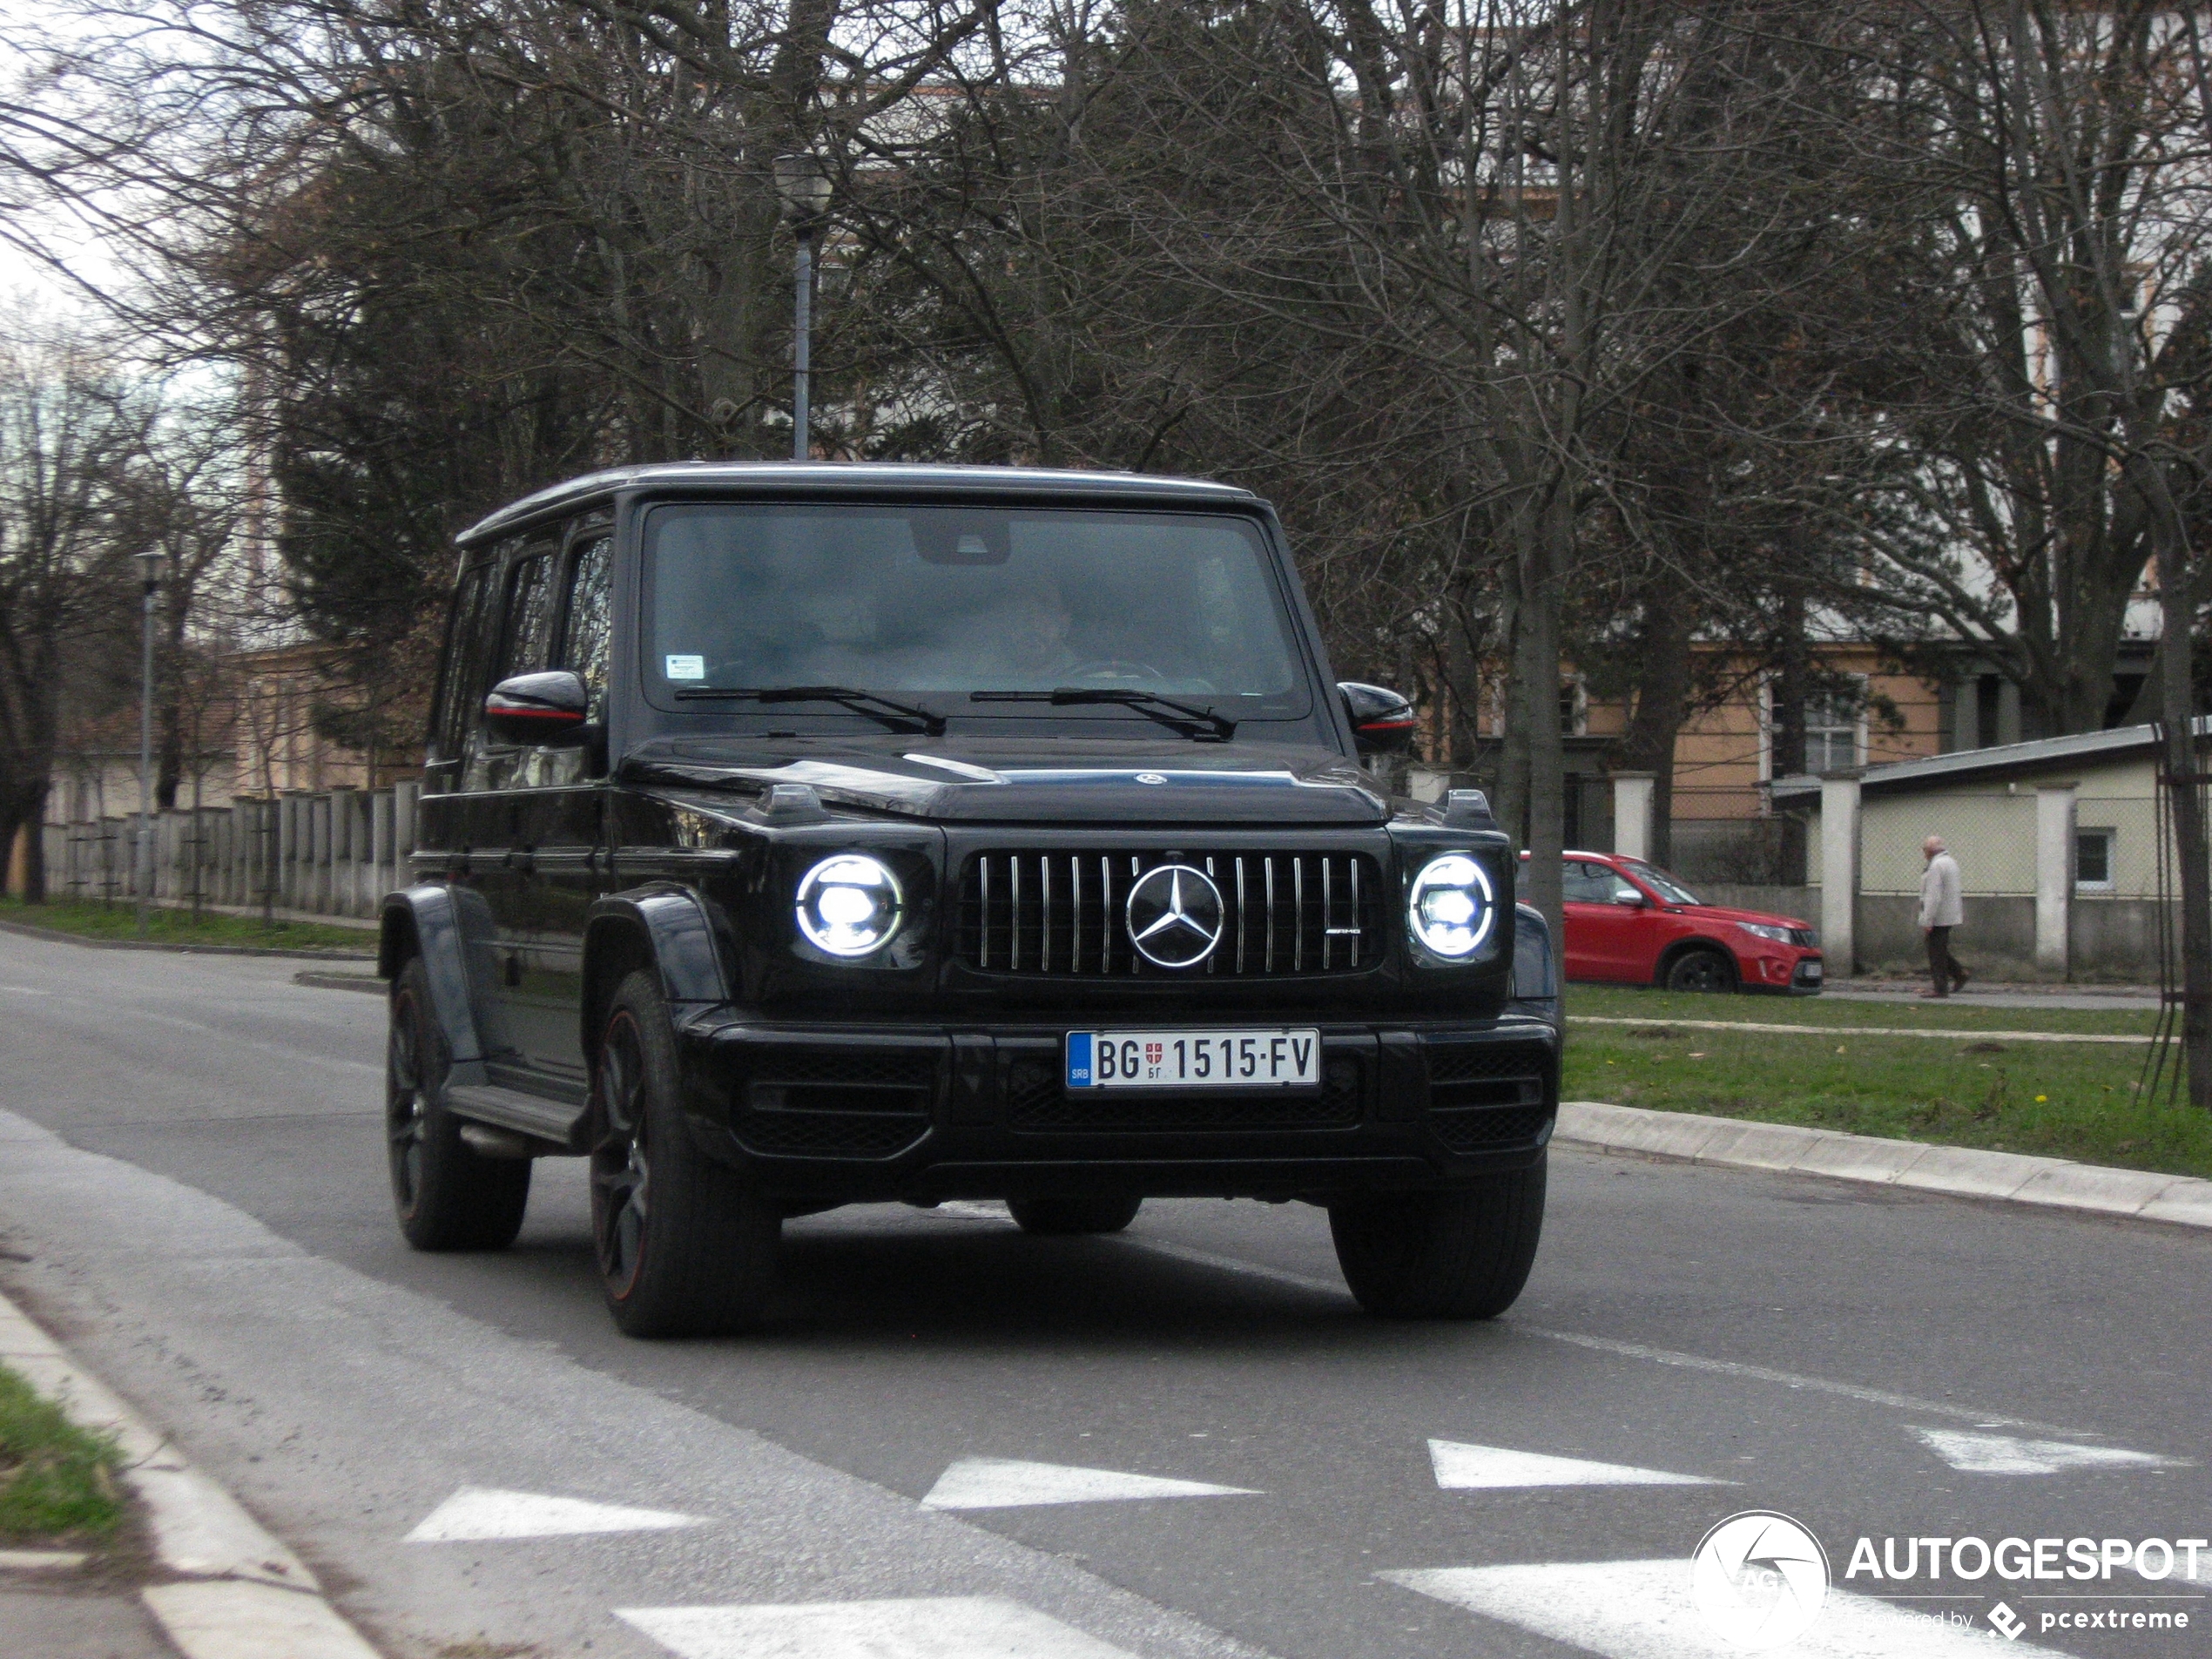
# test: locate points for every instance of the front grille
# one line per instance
(1805, 936)
(1036, 1101)
(857, 1104)
(1063, 913)
(1470, 1131)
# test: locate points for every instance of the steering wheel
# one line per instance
(1113, 668)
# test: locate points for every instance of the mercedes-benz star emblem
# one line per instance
(1175, 915)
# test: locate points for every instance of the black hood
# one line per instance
(1067, 780)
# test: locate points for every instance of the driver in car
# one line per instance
(1031, 632)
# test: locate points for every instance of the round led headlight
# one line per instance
(849, 905)
(1452, 908)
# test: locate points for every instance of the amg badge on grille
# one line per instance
(1175, 915)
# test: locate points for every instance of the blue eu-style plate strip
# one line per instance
(1079, 1072)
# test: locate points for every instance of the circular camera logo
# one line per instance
(1759, 1580)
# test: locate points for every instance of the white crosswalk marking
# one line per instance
(2007, 1455)
(487, 1512)
(1642, 1610)
(1460, 1467)
(1008, 1483)
(953, 1627)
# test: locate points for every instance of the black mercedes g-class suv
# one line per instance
(802, 835)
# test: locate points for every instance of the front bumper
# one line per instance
(1785, 970)
(851, 1114)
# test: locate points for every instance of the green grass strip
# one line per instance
(57, 1480)
(2080, 1100)
(166, 925)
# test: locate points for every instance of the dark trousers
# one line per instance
(1947, 972)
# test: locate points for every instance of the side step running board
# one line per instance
(552, 1124)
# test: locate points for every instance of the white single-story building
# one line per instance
(2057, 840)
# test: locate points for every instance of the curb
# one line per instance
(1962, 1171)
(314, 980)
(55, 933)
(239, 1593)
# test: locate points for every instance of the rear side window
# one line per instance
(530, 612)
(461, 684)
(588, 624)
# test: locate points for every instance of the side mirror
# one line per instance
(538, 709)
(1383, 722)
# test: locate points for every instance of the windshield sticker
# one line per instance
(687, 668)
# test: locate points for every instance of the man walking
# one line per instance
(1942, 908)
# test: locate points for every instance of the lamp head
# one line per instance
(152, 566)
(803, 181)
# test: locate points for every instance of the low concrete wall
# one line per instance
(337, 854)
(2115, 941)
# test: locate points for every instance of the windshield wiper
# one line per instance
(1187, 718)
(888, 709)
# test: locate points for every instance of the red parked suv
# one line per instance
(1629, 921)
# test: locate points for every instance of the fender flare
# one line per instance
(430, 916)
(668, 922)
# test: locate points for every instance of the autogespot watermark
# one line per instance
(1759, 1580)
(2155, 1596)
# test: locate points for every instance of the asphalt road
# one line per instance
(190, 1163)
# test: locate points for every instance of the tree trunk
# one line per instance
(2183, 764)
(1662, 705)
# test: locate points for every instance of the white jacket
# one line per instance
(1941, 905)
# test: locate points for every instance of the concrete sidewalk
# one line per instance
(1998, 995)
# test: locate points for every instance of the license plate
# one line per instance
(1811, 970)
(1193, 1059)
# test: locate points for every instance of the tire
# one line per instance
(1459, 1254)
(684, 1247)
(1701, 970)
(447, 1196)
(1062, 1216)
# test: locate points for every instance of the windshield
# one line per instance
(932, 603)
(1659, 882)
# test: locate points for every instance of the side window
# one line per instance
(1578, 884)
(460, 683)
(589, 617)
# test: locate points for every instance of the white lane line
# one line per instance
(2004, 1454)
(25, 990)
(1460, 1467)
(475, 1512)
(1791, 1379)
(1008, 1483)
(1867, 1030)
(1642, 1610)
(950, 1627)
(1630, 1350)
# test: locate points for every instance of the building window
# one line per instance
(1831, 733)
(2093, 860)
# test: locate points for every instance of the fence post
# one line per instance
(2054, 815)
(1632, 815)
(379, 839)
(343, 853)
(1839, 872)
(292, 846)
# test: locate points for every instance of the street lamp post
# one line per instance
(803, 182)
(150, 562)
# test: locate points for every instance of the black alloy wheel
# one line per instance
(446, 1195)
(1702, 970)
(686, 1247)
